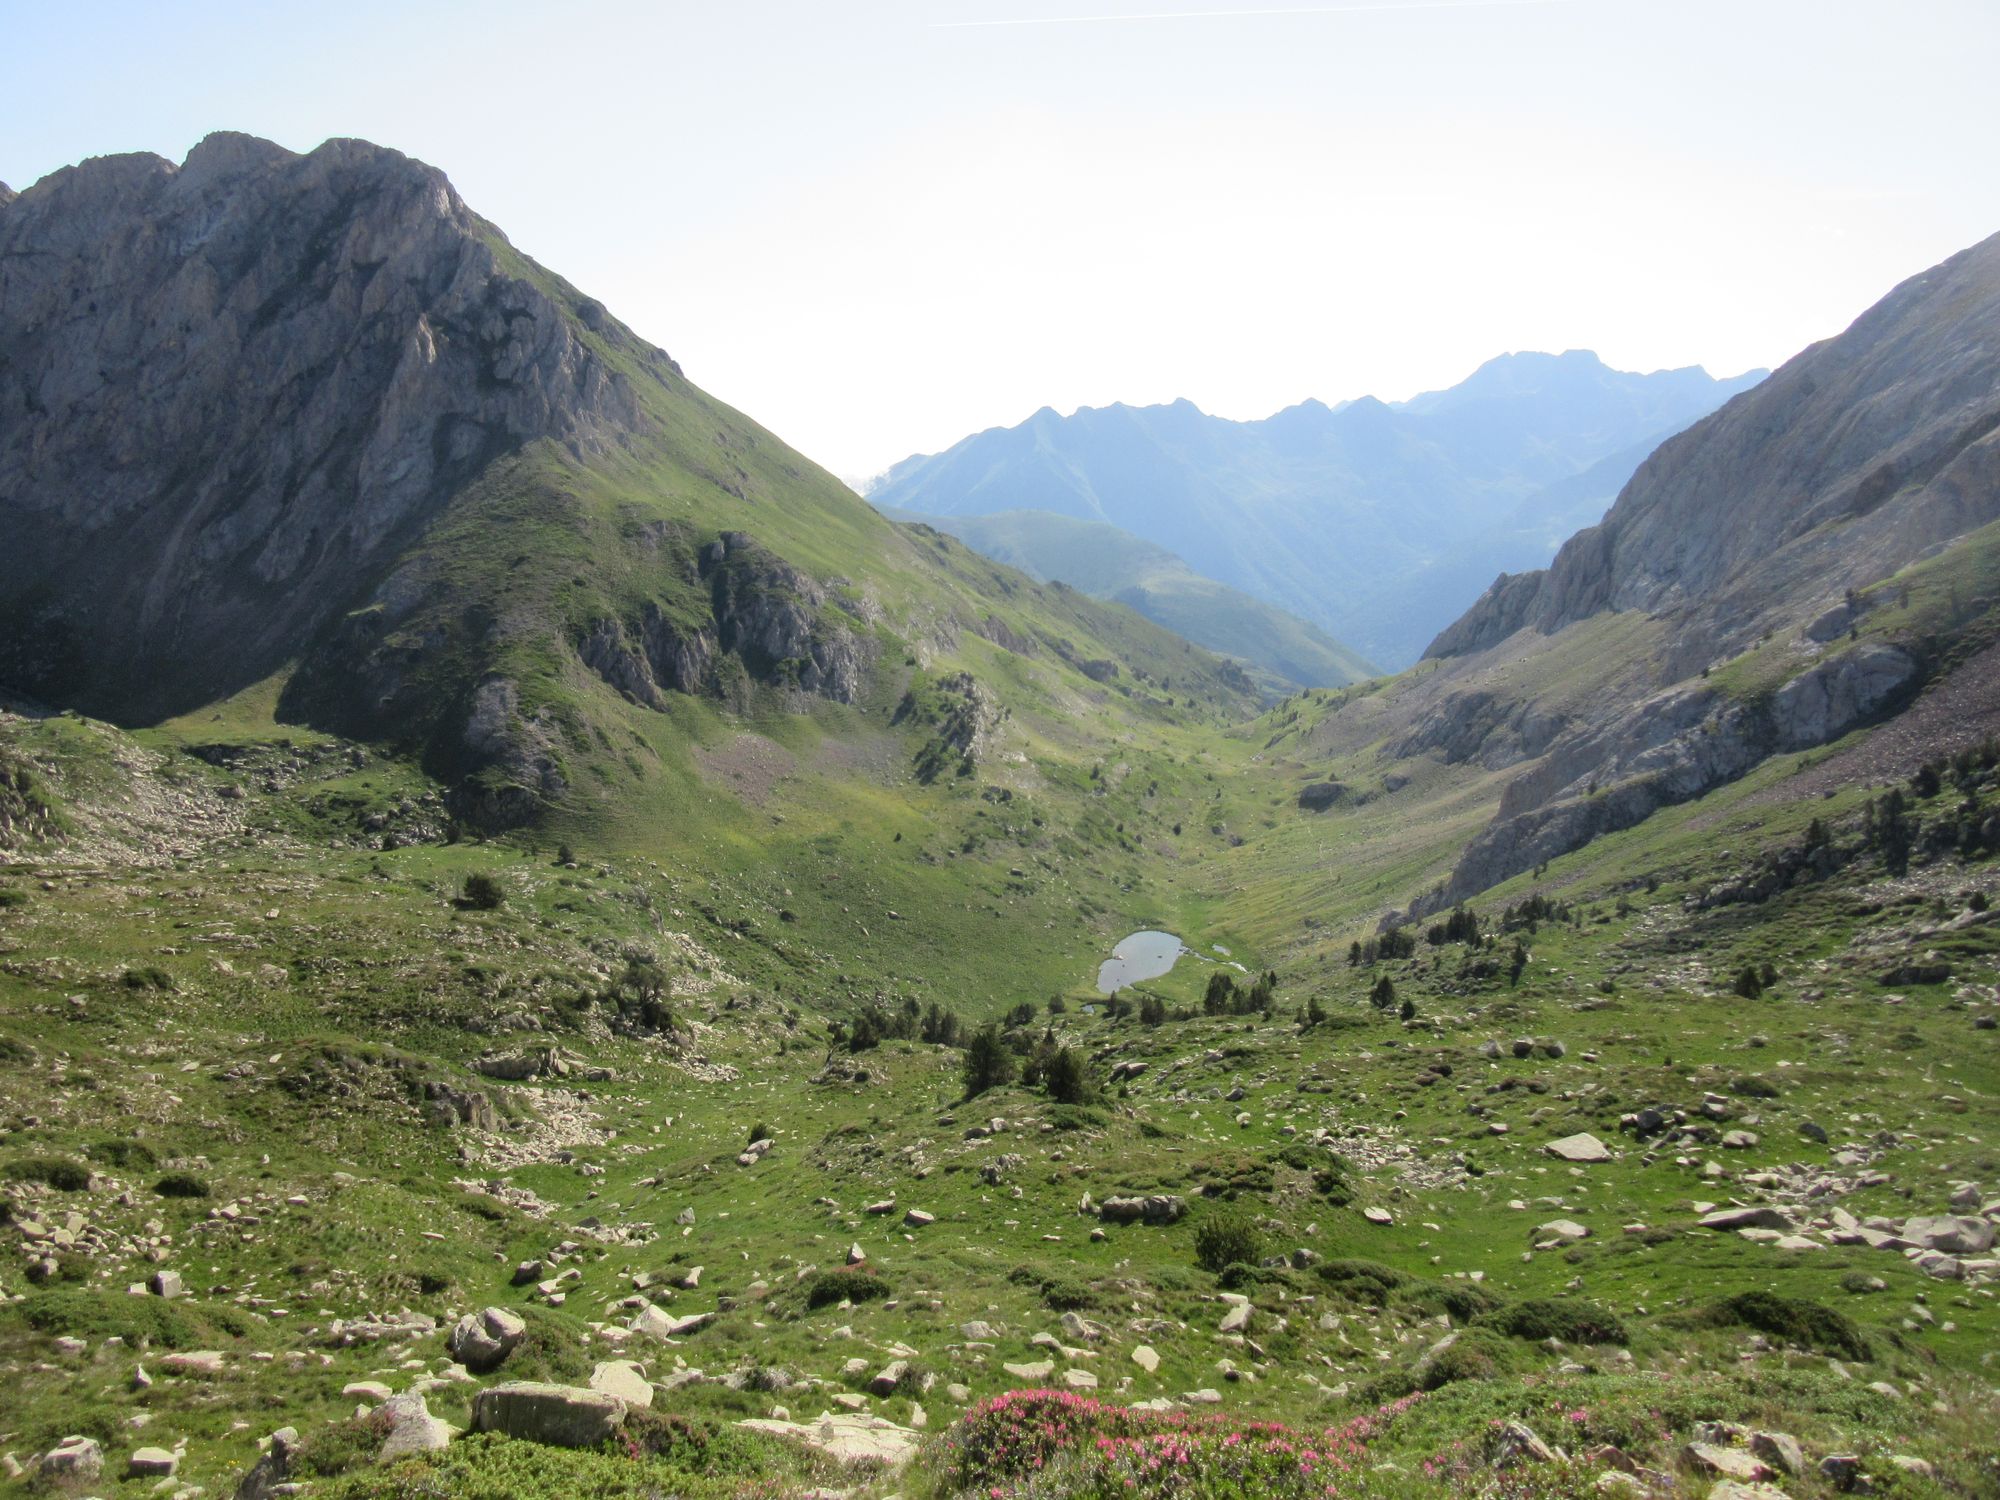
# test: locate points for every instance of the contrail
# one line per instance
(1290, 10)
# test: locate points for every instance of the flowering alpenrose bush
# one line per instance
(1049, 1443)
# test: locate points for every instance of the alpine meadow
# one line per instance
(550, 948)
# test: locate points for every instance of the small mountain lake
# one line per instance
(1143, 955)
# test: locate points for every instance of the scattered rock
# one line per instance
(1583, 1147)
(482, 1341)
(152, 1463)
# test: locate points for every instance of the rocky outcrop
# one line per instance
(781, 624)
(1851, 461)
(231, 391)
(1683, 743)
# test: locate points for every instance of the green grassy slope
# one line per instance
(218, 971)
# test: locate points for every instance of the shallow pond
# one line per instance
(1143, 955)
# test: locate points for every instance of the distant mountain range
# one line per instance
(1376, 522)
(1280, 650)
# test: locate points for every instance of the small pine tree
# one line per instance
(1065, 1079)
(988, 1064)
(1409, 1010)
(1383, 996)
(483, 892)
(1748, 985)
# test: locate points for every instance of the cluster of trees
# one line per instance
(1462, 926)
(994, 1058)
(1224, 997)
(908, 1022)
(1534, 911)
(1397, 942)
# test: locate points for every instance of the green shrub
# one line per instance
(148, 979)
(1066, 1295)
(553, 1349)
(482, 892)
(1572, 1320)
(60, 1173)
(1796, 1320)
(181, 1185)
(1364, 1281)
(340, 1447)
(92, 1315)
(855, 1284)
(1222, 1239)
(123, 1154)
(1460, 1302)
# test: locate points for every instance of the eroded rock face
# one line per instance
(1669, 750)
(779, 623)
(231, 390)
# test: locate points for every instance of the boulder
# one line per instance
(1759, 1217)
(167, 1284)
(152, 1463)
(1146, 1358)
(1780, 1450)
(850, 1439)
(624, 1379)
(482, 1341)
(1727, 1463)
(76, 1458)
(270, 1473)
(412, 1428)
(205, 1363)
(562, 1416)
(1237, 1319)
(889, 1377)
(1583, 1147)
(1952, 1233)
(1519, 1445)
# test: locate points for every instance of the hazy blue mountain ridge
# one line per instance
(1377, 522)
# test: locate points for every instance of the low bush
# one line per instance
(482, 892)
(181, 1185)
(1223, 1239)
(58, 1172)
(1571, 1320)
(553, 1348)
(855, 1284)
(92, 1315)
(1365, 1281)
(125, 1155)
(1796, 1320)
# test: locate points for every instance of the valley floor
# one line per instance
(1559, 1206)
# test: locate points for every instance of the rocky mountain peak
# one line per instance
(229, 389)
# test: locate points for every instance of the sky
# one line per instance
(878, 227)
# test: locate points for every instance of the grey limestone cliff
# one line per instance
(231, 390)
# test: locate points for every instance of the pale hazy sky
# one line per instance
(877, 228)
